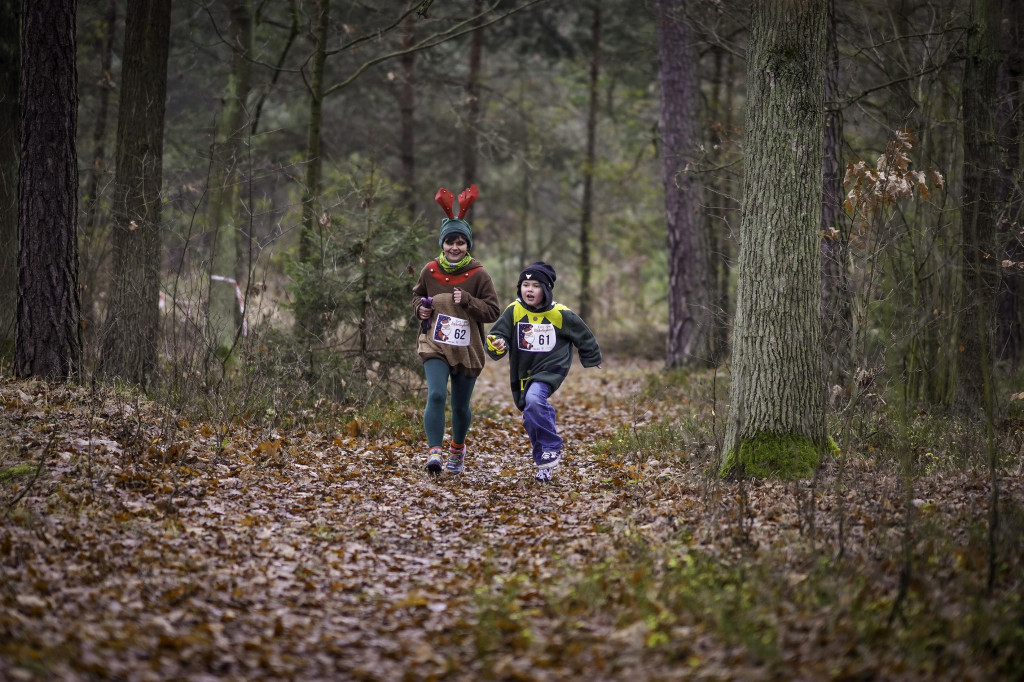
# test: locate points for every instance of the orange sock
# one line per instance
(457, 446)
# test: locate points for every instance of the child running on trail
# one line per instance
(454, 297)
(538, 335)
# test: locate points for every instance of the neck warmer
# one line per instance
(452, 267)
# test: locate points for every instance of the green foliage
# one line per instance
(359, 285)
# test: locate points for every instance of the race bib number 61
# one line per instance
(536, 338)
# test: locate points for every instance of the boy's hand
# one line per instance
(457, 296)
(496, 342)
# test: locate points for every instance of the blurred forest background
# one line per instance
(303, 143)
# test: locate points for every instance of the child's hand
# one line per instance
(457, 296)
(497, 342)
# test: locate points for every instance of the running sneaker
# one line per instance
(543, 475)
(434, 460)
(547, 460)
(456, 460)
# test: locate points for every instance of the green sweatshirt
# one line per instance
(539, 343)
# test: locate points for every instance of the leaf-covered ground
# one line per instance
(149, 547)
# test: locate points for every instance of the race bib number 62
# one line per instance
(451, 331)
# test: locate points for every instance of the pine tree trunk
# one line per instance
(776, 422)
(94, 240)
(980, 209)
(133, 321)
(226, 223)
(689, 319)
(10, 69)
(48, 340)
(589, 159)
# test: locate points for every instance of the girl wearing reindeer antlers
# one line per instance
(453, 299)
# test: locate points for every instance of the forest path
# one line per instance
(310, 554)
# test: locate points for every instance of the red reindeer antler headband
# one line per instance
(466, 199)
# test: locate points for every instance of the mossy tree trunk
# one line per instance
(776, 423)
(689, 315)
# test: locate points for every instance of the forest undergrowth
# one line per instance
(141, 543)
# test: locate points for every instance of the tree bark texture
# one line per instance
(227, 222)
(777, 380)
(309, 323)
(719, 212)
(133, 318)
(835, 286)
(94, 241)
(589, 159)
(980, 214)
(48, 340)
(10, 73)
(689, 313)
(1010, 88)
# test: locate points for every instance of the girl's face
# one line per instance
(455, 247)
(532, 292)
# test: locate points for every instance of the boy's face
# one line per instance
(532, 292)
(455, 247)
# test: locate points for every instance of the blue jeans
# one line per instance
(539, 421)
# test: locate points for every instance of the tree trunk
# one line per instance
(835, 289)
(1011, 194)
(309, 323)
(469, 137)
(48, 339)
(587, 211)
(980, 211)
(94, 241)
(776, 423)
(10, 70)
(225, 183)
(689, 319)
(407, 110)
(719, 213)
(133, 322)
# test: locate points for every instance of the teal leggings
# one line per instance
(438, 372)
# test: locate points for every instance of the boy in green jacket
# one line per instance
(538, 335)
